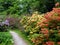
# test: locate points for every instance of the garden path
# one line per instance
(17, 39)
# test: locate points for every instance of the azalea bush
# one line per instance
(43, 29)
(30, 25)
(50, 27)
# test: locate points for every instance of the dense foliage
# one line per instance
(9, 6)
(6, 39)
(26, 6)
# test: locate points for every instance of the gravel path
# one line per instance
(17, 40)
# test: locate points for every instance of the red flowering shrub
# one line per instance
(46, 30)
(50, 27)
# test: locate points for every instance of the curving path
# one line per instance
(17, 40)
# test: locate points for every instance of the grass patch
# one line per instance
(6, 38)
(24, 37)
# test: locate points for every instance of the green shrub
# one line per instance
(5, 38)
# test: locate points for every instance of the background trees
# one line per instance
(26, 6)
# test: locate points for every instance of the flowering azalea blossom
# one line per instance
(44, 31)
(50, 43)
(57, 4)
(56, 10)
(58, 43)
